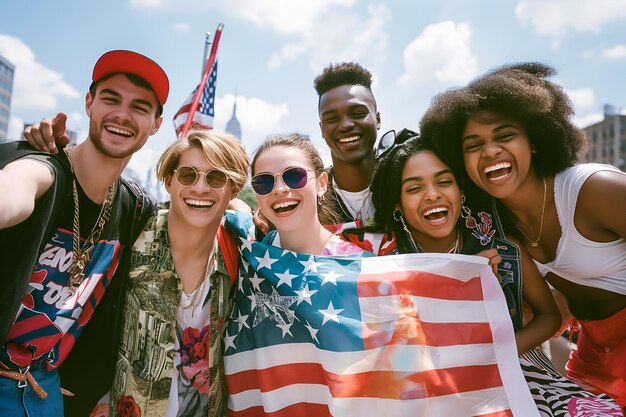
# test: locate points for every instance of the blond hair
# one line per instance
(221, 149)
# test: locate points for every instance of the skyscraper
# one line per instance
(608, 139)
(233, 127)
(6, 87)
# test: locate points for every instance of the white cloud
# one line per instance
(34, 85)
(258, 118)
(146, 3)
(587, 120)
(614, 53)
(442, 50)
(16, 126)
(582, 98)
(557, 17)
(181, 27)
(282, 16)
(352, 37)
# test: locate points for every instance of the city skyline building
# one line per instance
(7, 71)
(233, 126)
(607, 139)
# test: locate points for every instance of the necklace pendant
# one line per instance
(534, 244)
(76, 278)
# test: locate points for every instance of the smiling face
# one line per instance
(122, 116)
(288, 209)
(497, 154)
(198, 204)
(349, 122)
(430, 199)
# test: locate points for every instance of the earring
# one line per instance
(321, 199)
(399, 217)
(466, 213)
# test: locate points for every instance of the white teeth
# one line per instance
(199, 203)
(349, 139)
(498, 178)
(497, 166)
(119, 131)
(434, 210)
(284, 204)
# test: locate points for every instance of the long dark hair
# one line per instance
(387, 188)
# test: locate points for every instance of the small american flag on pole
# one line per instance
(201, 103)
(402, 335)
(203, 116)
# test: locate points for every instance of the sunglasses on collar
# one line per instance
(391, 139)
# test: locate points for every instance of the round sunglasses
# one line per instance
(293, 177)
(188, 176)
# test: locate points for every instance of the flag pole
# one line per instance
(207, 45)
(205, 76)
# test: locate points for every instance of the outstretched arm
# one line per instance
(47, 134)
(22, 182)
(546, 318)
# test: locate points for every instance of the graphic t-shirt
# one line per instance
(51, 316)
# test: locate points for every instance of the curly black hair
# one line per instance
(386, 187)
(344, 73)
(520, 92)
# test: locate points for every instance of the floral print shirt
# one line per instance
(170, 357)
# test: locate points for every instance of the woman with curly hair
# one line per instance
(510, 132)
(419, 200)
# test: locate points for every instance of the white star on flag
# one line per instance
(246, 244)
(331, 277)
(331, 313)
(312, 330)
(305, 294)
(256, 281)
(252, 298)
(310, 265)
(229, 341)
(286, 328)
(266, 261)
(242, 321)
(284, 278)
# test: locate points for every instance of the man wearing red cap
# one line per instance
(67, 222)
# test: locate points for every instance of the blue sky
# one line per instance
(272, 49)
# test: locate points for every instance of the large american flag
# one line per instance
(203, 117)
(402, 335)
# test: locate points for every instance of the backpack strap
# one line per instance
(227, 245)
(144, 208)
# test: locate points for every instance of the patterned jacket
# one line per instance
(155, 348)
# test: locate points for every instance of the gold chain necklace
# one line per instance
(535, 243)
(82, 255)
(454, 248)
(358, 214)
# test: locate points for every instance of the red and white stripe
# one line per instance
(438, 341)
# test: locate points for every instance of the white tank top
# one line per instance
(580, 260)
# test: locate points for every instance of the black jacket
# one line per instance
(88, 370)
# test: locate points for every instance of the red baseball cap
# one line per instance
(133, 63)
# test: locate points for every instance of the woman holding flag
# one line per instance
(417, 198)
(510, 133)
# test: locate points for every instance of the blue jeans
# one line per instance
(18, 399)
